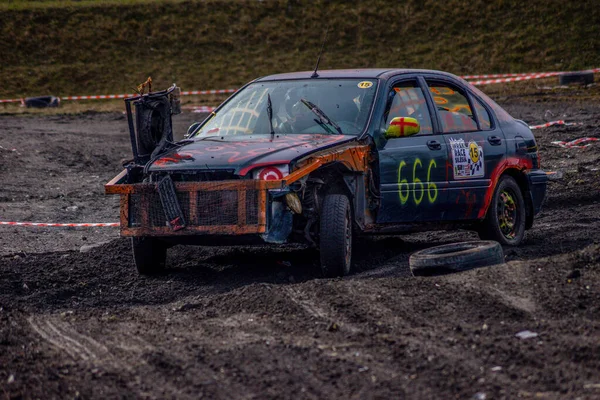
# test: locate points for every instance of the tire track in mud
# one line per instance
(78, 346)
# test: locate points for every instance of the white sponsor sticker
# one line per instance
(467, 159)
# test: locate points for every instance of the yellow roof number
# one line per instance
(365, 84)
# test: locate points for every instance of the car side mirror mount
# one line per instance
(402, 127)
(191, 130)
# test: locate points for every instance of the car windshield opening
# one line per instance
(346, 102)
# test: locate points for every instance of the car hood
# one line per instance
(241, 153)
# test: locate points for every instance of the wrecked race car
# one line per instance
(323, 158)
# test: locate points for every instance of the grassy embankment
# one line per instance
(105, 46)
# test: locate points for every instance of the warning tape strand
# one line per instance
(483, 80)
(552, 123)
(127, 95)
(528, 77)
(577, 142)
(494, 76)
(71, 225)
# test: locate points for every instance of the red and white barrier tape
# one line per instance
(581, 142)
(559, 122)
(44, 224)
(528, 77)
(124, 96)
(484, 80)
(515, 79)
(11, 101)
(203, 109)
(494, 76)
(197, 92)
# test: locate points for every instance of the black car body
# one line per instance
(322, 159)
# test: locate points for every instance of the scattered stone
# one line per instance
(479, 396)
(586, 386)
(11, 378)
(72, 208)
(526, 335)
(496, 368)
(87, 247)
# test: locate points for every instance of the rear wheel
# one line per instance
(336, 235)
(505, 219)
(149, 255)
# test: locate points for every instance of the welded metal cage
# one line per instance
(223, 207)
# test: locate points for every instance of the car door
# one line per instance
(474, 142)
(412, 170)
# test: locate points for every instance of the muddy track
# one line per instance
(259, 322)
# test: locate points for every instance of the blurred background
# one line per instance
(107, 47)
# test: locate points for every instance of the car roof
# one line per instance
(361, 73)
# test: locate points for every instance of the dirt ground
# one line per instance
(76, 321)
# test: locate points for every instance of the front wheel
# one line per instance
(505, 219)
(336, 235)
(149, 255)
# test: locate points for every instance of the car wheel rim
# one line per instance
(508, 216)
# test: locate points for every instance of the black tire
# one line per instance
(456, 257)
(149, 255)
(506, 218)
(336, 235)
(582, 78)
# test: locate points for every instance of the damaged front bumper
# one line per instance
(232, 207)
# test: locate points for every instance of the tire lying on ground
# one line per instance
(42, 102)
(456, 257)
(582, 78)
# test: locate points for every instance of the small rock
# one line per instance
(479, 396)
(496, 369)
(87, 247)
(72, 208)
(25, 287)
(526, 335)
(11, 378)
(586, 386)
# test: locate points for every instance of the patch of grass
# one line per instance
(108, 47)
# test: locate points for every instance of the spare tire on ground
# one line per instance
(581, 78)
(42, 101)
(456, 257)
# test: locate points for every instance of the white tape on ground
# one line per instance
(559, 122)
(71, 225)
(581, 142)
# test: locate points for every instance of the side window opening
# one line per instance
(453, 108)
(407, 100)
(485, 122)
